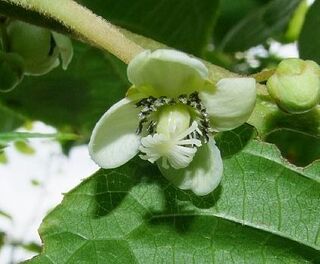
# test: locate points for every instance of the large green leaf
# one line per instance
(268, 21)
(265, 211)
(309, 40)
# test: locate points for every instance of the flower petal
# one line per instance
(231, 103)
(114, 141)
(203, 174)
(166, 73)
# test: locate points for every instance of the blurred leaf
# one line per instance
(11, 71)
(32, 247)
(3, 157)
(181, 24)
(35, 182)
(309, 41)
(6, 215)
(2, 237)
(231, 13)
(269, 21)
(5, 138)
(9, 120)
(265, 211)
(24, 148)
(296, 22)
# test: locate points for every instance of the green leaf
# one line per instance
(9, 120)
(5, 215)
(231, 13)
(11, 71)
(232, 142)
(2, 237)
(24, 148)
(32, 247)
(309, 44)
(268, 21)
(181, 24)
(3, 158)
(265, 211)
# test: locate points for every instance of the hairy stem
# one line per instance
(86, 24)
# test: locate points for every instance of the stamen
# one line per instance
(176, 150)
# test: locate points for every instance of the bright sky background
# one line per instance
(28, 204)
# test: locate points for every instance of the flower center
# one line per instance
(175, 127)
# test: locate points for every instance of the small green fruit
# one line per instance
(39, 47)
(295, 86)
(11, 71)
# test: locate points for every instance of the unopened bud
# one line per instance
(39, 47)
(295, 86)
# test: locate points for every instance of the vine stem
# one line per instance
(86, 24)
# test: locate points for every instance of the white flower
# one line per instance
(169, 116)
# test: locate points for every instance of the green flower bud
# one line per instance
(39, 47)
(295, 86)
(11, 71)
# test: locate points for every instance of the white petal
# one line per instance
(167, 73)
(231, 103)
(114, 141)
(203, 174)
